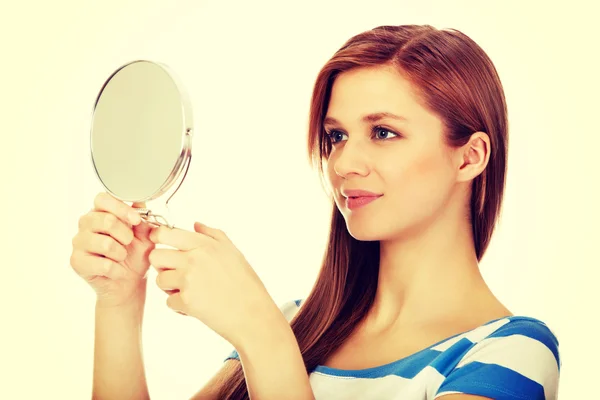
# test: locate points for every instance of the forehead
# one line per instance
(368, 90)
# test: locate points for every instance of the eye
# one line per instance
(378, 132)
(334, 135)
(379, 129)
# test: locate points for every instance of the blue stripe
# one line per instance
(450, 358)
(493, 381)
(407, 367)
(298, 302)
(234, 354)
(533, 329)
(410, 366)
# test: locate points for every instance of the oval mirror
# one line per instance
(141, 135)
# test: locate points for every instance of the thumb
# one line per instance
(141, 204)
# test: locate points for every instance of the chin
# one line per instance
(365, 230)
(365, 236)
(376, 226)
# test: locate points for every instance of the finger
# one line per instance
(179, 238)
(107, 203)
(175, 303)
(214, 233)
(168, 259)
(142, 231)
(97, 244)
(170, 279)
(89, 266)
(107, 224)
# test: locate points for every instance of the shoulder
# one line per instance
(521, 333)
(511, 341)
(512, 356)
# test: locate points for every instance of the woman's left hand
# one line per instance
(208, 278)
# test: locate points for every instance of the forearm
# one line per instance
(274, 368)
(118, 361)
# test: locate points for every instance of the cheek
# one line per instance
(430, 166)
(425, 178)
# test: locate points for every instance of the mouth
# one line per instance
(355, 202)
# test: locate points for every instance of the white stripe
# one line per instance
(422, 387)
(440, 394)
(289, 309)
(475, 335)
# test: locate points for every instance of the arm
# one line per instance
(118, 364)
(273, 366)
(212, 387)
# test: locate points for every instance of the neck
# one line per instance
(428, 276)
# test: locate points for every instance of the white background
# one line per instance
(249, 67)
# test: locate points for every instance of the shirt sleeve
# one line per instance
(289, 310)
(518, 361)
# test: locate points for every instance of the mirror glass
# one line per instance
(141, 132)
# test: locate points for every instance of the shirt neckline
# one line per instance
(373, 371)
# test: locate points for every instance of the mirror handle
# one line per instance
(153, 219)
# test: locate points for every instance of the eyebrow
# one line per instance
(372, 118)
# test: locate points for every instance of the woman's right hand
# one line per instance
(111, 250)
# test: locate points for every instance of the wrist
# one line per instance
(134, 303)
(274, 330)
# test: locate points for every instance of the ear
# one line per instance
(473, 156)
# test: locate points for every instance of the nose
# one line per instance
(351, 159)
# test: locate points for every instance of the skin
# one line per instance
(422, 220)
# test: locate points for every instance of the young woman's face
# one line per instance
(403, 159)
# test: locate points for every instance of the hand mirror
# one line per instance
(141, 135)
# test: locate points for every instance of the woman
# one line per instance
(409, 126)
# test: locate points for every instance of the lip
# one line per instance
(353, 203)
(359, 193)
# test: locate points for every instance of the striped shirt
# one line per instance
(508, 358)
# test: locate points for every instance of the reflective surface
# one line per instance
(141, 132)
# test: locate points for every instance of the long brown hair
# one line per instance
(457, 81)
